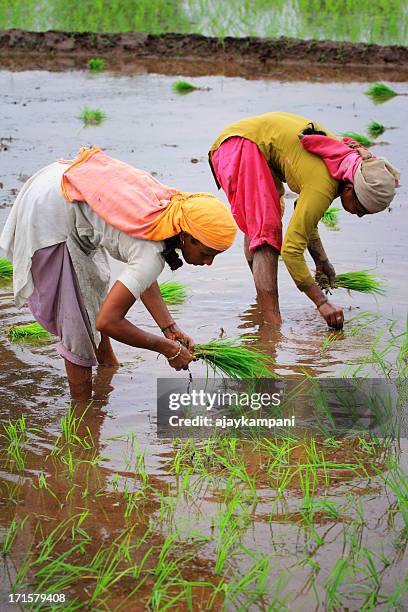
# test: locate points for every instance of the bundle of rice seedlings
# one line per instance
(96, 64)
(379, 92)
(330, 217)
(366, 142)
(361, 281)
(6, 268)
(30, 331)
(375, 129)
(174, 292)
(232, 359)
(183, 87)
(92, 116)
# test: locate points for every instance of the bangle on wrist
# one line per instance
(324, 301)
(177, 354)
(163, 329)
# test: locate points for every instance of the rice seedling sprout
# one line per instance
(183, 87)
(366, 142)
(230, 358)
(6, 268)
(92, 116)
(379, 92)
(174, 292)
(32, 331)
(16, 436)
(375, 129)
(361, 281)
(330, 217)
(96, 64)
(11, 534)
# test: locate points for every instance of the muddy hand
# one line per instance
(333, 315)
(330, 273)
(325, 275)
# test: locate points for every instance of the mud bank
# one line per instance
(231, 56)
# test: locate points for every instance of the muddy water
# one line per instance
(153, 128)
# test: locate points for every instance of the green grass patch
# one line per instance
(375, 129)
(96, 64)
(379, 92)
(366, 142)
(92, 116)
(183, 87)
(6, 268)
(32, 331)
(330, 217)
(174, 292)
(231, 359)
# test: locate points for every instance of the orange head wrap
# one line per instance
(139, 205)
(201, 215)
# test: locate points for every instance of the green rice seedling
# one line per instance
(251, 588)
(402, 361)
(96, 64)
(92, 116)
(70, 431)
(230, 524)
(330, 217)
(361, 281)
(183, 87)
(47, 546)
(174, 292)
(366, 142)
(106, 567)
(42, 485)
(9, 537)
(68, 460)
(11, 534)
(42, 481)
(322, 505)
(231, 359)
(329, 341)
(30, 331)
(375, 129)
(170, 588)
(339, 573)
(6, 268)
(250, 591)
(397, 482)
(379, 92)
(395, 601)
(16, 436)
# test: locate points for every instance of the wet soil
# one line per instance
(250, 56)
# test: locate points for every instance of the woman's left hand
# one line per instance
(175, 333)
(327, 269)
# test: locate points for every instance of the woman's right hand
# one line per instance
(332, 314)
(181, 362)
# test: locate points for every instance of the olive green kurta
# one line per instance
(276, 135)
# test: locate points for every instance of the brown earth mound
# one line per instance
(263, 54)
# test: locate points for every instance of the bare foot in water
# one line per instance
(105, 355)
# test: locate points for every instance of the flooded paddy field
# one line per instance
(97, 508)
